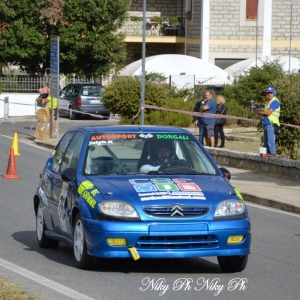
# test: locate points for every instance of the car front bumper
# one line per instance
(167, 240)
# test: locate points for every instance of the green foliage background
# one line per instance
(89, 44)
(252, 86)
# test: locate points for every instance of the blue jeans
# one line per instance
(269, 139)
(201, 132)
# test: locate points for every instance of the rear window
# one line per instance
(92, 90)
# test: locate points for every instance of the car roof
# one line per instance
(131, 129)
(86, 84)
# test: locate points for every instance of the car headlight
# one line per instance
(116, 208)
(231, 209)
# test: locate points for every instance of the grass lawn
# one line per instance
(10, 291)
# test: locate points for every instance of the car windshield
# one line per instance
(92, 90)
(124, 153)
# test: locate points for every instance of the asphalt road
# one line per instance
(272, 271)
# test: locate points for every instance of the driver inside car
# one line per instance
(160, 152)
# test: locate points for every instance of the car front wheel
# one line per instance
(232, 264)
(43, 240)
(83, 260)
(72, 115)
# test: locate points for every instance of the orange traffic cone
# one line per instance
(15, 145)
(11, 167)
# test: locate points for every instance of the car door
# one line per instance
(64, 100)
(64, 192)
(52, 174)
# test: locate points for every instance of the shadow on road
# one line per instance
(64, 255)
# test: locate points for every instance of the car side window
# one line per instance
(60, 150)
(72, 153)
(64, 91)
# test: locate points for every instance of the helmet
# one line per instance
(271, 89)
(156, 144)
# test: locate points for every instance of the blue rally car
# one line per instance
(140, 192)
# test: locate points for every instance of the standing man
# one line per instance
(271, 116)
(198, 120)
(209, 107)
(52, 104)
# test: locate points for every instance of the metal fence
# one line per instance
(28, 84)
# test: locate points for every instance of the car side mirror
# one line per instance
(68, 174)
(226, 173)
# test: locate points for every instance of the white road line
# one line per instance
(44, 281)
(29, 144)
(272, 209)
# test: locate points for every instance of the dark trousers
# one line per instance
(219, 130)
(201, 132)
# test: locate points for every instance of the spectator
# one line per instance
(41, 99)
(209, 107)
(198, 120)
(271, 115)
(52, 104)
(220, 122)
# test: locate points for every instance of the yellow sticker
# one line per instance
(134, 253)
(237, 192)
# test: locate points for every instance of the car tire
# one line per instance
(43, 240)
(232, 264)
(106, 116)
(72, 115)
(83, 260)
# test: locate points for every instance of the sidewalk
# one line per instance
(255, 187)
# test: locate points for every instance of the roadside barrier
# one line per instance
(11, 172)
(15, 145)
(206, 115)
(197, 114)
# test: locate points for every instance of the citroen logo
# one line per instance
(176, 210)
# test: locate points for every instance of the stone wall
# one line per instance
(228, 23)
(286, 168)
(163, 8)
(281, 19)
(193, 31)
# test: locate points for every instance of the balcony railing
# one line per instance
(135, 28)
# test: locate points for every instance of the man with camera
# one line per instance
(271, 123)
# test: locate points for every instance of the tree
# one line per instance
(89, 43)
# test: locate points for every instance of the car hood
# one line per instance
(161, 190)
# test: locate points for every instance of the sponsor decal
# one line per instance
(87, 190)
(61, 206)
(146, 136)
(167, 188)
(101, 143)
(100, 137)
(237, 192)
(172, 137)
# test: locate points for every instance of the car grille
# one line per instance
(177, 242)
(185, 211)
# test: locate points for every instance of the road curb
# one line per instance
(44, 144)
(271, 203)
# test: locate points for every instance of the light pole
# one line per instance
(46, 76)
(143, 64)
(290, 38)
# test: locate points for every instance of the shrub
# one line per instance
(123, 96)
(169, 118)
(156, 19)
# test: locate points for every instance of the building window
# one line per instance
(251, 9)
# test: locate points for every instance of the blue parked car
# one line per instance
(140, 192)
